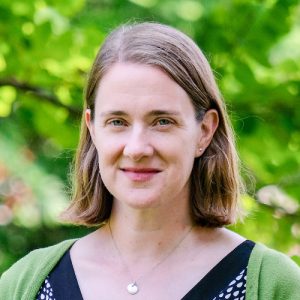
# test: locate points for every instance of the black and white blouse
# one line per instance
(226, 281)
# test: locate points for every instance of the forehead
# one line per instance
(125, 76)
(127, 84)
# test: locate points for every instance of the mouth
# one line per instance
(140, 174)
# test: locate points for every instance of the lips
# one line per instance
(140, 174)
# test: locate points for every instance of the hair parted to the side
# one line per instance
(215, 179)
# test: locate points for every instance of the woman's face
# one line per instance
(146, 136)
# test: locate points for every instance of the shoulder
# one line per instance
(269, 260)
(272, 275)
(27, 274)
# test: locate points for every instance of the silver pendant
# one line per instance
(132, 288)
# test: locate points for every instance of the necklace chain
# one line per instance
(132, 287)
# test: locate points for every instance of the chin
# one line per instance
(142, 202)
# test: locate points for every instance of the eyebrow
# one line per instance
(151, 113)
(113, 112)
(163, 112)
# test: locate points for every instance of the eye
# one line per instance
(116, 123)
(163, 122)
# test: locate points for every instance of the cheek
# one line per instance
(108, 151)
(186, 158)
(182, 159)
(187, 148)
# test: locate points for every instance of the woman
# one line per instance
(157, 169)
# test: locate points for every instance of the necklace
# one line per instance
(132, 287)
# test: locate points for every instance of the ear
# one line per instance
(89, 122)
(208, 126)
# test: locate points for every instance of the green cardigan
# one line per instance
(270, 276)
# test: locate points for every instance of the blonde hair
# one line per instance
(215, 179)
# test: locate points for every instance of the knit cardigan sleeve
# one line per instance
(23, 280)
(272, 275)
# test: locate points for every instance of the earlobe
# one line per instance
(199, 152)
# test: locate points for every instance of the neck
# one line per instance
(148, 232)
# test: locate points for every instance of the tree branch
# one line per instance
(39, 93)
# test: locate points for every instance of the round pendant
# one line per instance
(132, 288)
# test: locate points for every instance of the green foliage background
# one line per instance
(46, 50)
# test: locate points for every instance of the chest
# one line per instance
(170, 281)
(193, 278)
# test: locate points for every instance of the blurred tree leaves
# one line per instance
(46, 50)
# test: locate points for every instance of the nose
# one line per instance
(137, 145)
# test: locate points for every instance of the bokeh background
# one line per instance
(46, 50)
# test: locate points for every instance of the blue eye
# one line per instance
(164, 122)
(117, 123)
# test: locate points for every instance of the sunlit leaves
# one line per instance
(48, 47)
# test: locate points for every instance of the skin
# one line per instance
(145, 134)
(147, 138)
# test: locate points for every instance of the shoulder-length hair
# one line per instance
(215, 184)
